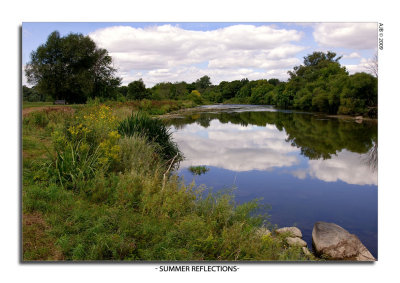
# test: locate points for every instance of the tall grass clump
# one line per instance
(154, 130)
(137, 154)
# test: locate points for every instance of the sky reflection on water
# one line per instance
(246, 148)
(308, 169)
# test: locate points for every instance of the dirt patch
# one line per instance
(37, 243)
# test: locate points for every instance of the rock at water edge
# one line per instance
(293, 231)
(333, 242)
(294, 241)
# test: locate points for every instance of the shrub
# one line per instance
(153, 130)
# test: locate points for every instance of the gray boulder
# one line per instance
(333, 242)
(294, 241)
(292, 231)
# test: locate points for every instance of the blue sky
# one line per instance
(165, 51)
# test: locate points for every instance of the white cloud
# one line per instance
(346, 35)
(191, 73)
(362, 66)
(170, 53)
(351, 55)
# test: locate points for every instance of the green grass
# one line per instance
(27, 104)
(128, 208)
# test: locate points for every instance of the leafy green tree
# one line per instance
(259, 93)
(231, 89)
(71, 68)
(202, 83)
(123, 90)
(320, 100)
(137, 90)
(274, 81)
(360, 95)
(178, 90)
(303, 99)
(245, 92)
(316, 85)
(32, 95)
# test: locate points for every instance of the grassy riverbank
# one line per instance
(93, 192)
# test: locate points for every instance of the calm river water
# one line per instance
(306, 167)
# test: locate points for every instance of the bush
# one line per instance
(153, 130)
(137, 154)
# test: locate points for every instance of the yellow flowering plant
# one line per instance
(88, 144)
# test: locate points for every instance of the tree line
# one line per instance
(74, 69)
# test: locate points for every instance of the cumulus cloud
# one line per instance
(362, 66)
(170, 53)
(346, 35)
(192, 73)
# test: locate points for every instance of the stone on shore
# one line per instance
(263, 231)
(294, 241)
(333, 242)
(292, 231)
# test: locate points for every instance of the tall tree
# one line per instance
(203, 83)
(315, 85)
(72, 68)
(137, 90)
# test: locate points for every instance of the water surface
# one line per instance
(307, 167)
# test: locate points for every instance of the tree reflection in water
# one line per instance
(317, 137)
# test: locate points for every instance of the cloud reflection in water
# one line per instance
(246, 148)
